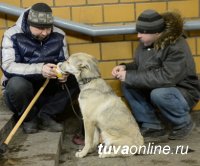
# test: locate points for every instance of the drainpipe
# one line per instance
(93, 30)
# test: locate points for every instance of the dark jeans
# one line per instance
(53, 100)
(171, 103)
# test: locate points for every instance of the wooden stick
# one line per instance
(17, 125)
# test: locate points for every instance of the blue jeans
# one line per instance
(171, 103)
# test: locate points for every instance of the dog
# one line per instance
(104, 113)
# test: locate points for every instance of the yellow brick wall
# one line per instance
(114, 49)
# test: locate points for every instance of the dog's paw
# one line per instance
(102, 155)
(80, 154)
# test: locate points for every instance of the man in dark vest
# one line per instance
(30, 51)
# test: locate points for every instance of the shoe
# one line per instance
(78, 139)
(149, 132)
(178, 134)
(50, 125)
(30, 127)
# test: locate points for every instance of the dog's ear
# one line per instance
(94, 60)
(89, 68)
(82, 66)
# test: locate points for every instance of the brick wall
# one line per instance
(110, 50)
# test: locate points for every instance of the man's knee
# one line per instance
(18, 85)
(160, 94)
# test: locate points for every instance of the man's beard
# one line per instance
(40, 38)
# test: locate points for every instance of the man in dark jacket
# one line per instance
(30, 51)
(162, 76)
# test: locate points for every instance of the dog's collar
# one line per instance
(87, 80)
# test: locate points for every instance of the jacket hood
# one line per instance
(22, 18)
(22, 22)
(173, 30)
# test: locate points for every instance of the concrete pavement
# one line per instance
(56, 149)
(190, 159)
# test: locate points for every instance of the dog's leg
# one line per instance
(89, 136)
(95, 140)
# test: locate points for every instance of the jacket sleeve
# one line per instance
(8, 62)
(131, 66)
(172, 70)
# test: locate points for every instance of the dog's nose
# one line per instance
(59, 65)
(58, 70)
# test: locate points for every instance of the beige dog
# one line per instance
(103, 112)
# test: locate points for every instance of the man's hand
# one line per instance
(48, 71)
(121, 75)
(119, 72)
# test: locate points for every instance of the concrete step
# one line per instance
(6, 120)
(40, 149)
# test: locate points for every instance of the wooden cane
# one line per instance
(17, 125)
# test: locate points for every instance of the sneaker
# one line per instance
(30, 127)
(51, 125)
(178, 134)
(149, 132)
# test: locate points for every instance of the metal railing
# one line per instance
(93, 30)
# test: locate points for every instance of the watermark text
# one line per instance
(151, 148)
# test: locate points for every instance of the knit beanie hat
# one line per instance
(40, 15)
(150, 22)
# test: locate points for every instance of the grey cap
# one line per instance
(150, 21)
(40, 15)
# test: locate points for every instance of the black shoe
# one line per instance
(178, 134)
(149, 132)
(30, 127)
(50, 125)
